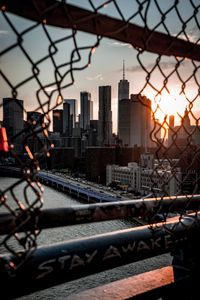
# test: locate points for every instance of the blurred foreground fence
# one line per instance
(59, 38)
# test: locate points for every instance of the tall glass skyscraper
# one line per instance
(86, 110)
(105, 116)
(123, 91)
(72, 108)
(135, 121)
(123, 86)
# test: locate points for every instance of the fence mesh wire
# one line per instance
(60, 38)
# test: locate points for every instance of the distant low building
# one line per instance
(157, 180)
(124, 175)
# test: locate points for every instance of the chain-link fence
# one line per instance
(45, 46)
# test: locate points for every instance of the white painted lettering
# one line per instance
(90, 256)
(142, 246)
(62, 260)
(77, 261)
(130, 247)
(111, 252)
(168, 241)
(46, 268)
(156, 243)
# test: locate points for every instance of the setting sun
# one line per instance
(169, 104)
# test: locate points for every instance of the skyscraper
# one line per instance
(135, 121)
(124, 107)
(35, 116)
(123, 86)
(105, 116)
(13, 120)
(123, 90)
(183, 134)
(58, 120)
(86, 110)
(72, 103)
(66, 120)
(171, 129)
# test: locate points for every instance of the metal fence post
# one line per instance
(186, 266)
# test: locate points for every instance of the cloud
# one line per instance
(193, 34)
(3, 32)
(163, 66)
(97, 77)
(50, 88)
(119, 44)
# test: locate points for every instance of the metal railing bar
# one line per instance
(63, 262)
(80, 214)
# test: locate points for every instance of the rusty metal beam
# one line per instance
(63, 15)
(80, 214)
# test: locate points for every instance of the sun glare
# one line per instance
(169, 104)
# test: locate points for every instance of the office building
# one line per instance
(93, 133)
(73, 108)
(183, 134)
(86, 110)
(135, 121)
(35, 117)
(67, 120)
(123, 87)
(13, 121)
(123, 175)
(123, 91)
(105, 116)
(145, 180)
(58, 120)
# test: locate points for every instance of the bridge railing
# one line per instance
(164, 40)
(50, 265)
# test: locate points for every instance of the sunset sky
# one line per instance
(106, 64)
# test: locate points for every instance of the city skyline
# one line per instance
(106, 63)
(100, 148)
(115, 105)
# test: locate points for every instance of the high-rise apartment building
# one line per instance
(135, 121)
(105, 116)
(13, 121)
(86, 107)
